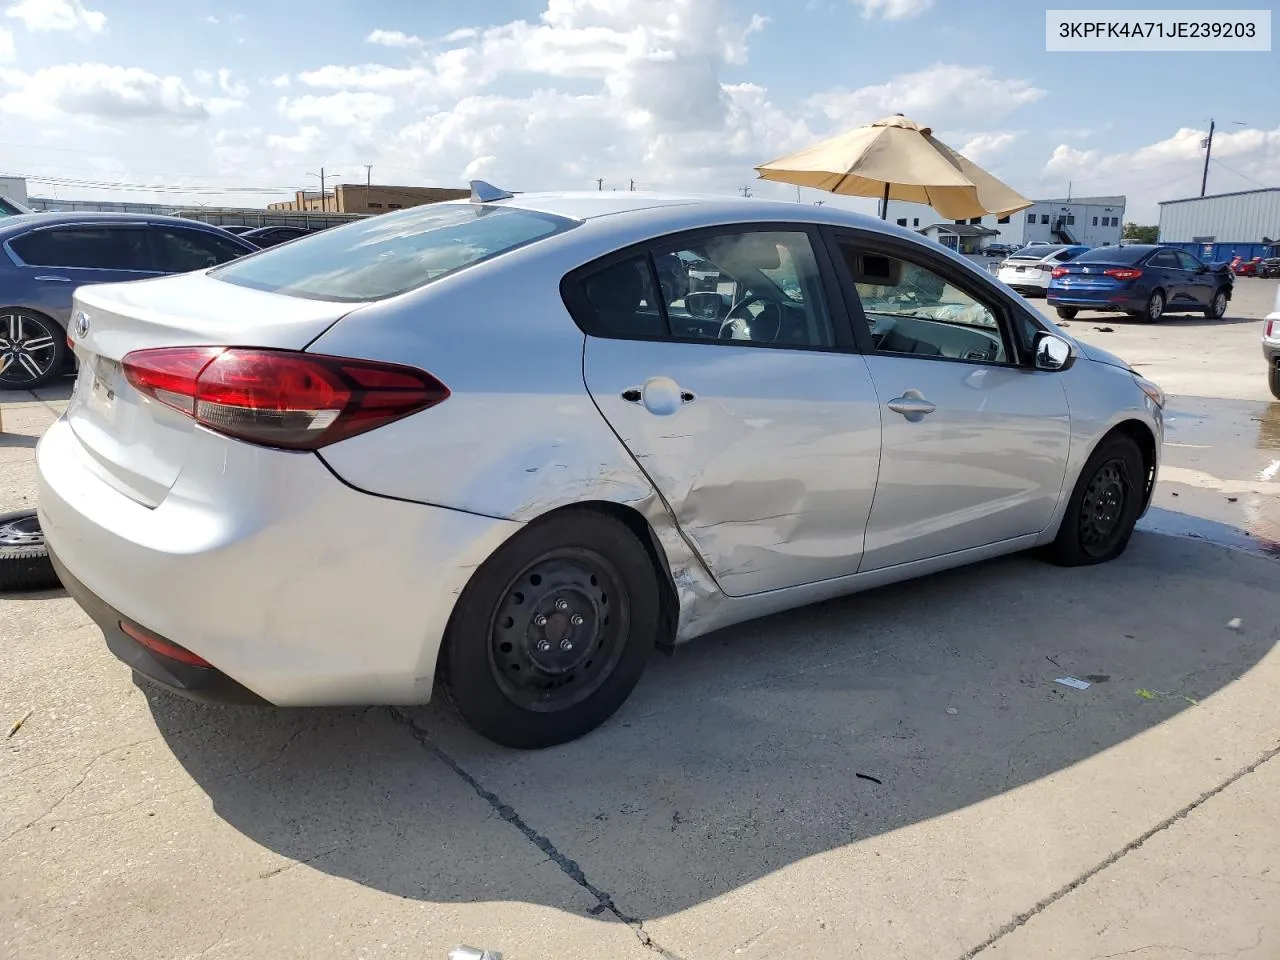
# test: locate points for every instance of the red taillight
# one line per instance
(1269, 329)
(280, 398)
(1059, 272)
(163, 647)
(1122, 273)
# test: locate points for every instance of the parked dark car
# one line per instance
(1143, 280)
(237, 228)
(46, 256)
(997, 250)
(273, 236)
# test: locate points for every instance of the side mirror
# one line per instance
(1052, 353)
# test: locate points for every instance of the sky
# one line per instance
(242, 103)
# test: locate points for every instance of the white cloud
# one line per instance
(350, 108)
(893, 9)
(984, 147)
(937, 94)
(1169, 168)
(211, 19)
(393, 38)
(48, 15)
(370, 76)
(306, 140)
(7, 51)
(236, 90)
(96, 90)
(202, 76)
(281, 81)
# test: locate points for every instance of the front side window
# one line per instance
(757, 287)
(93, 248)
(913, 310)
(1187, 261)
(391, 254)
(1165, 259)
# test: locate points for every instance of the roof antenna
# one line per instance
(482, 192)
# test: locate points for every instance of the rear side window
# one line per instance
(98, 248)
(392, 254)
(181, 251)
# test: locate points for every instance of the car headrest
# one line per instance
(744, 251)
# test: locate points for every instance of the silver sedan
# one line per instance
(515, 444)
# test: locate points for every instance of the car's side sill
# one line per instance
(725, 611)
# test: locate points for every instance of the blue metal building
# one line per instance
(1223, 226)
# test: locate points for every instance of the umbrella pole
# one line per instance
(884, 206)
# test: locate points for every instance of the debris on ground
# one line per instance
(952, 711)
(17, 724)
(1146, 694)
(471, 953)
(1235, 623)
(1232, 499)
(1104, 329)
(1073, 683)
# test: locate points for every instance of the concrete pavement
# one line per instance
(892, 775)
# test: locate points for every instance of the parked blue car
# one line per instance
(44, 257)
(1143, 280)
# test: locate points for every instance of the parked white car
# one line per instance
(1028, 270)
(508, 445)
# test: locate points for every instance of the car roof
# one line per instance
(11, 226)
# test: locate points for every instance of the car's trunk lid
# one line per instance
(134, 443)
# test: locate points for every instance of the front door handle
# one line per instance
(912, 405)
(55, 279)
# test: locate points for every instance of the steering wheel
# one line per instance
(740, 307)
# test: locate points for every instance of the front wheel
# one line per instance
(1104, 505)
(1067, 313)
(33, 350)
(553, 632)
(1217, 306)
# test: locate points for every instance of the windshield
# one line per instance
(392, 254)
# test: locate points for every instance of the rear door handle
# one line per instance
(912, 405)
(56, 279)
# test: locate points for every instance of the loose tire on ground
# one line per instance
(553, 632)
(1104, 505)
(24, 561)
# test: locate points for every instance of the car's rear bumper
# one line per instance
(1093, 301)
(292, 585)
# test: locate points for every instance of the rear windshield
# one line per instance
(1033, 253)
(390, 254)
(1113, 254)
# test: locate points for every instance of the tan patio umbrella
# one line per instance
(896, 158)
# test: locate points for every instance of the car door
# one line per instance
(739, 393)
(1171, 277)
(975, 440)
(55, 260)
(1200, 282)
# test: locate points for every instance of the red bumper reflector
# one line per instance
(164, 648)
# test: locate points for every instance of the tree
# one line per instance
(1140, 233)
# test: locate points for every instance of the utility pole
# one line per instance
(633, 183)
(1207, 143)
(599, 183)
(324, 200)
(746, 191)
(368, 179)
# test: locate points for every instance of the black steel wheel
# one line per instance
(553, 632)
(33, 349)
(1068, 313)
(1273, 378)
(1104, 506)
(24, 561)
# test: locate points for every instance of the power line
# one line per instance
(1219, 163)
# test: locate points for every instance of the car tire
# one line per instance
(1217, 308)
(24, 560)
(48, 358)
(1273, 379)
(1104, 506)
(1067, 313)
(572, 599)
(1156, 302)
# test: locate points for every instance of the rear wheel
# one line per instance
(1217, 306)
(1104, 505)
(1154, 308)
(1273, 379)
(33, 349)
(1067, 313)
(554, 631)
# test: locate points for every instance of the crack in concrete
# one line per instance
(1181, 814)
(570, 868)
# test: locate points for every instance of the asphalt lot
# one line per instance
(890, 775)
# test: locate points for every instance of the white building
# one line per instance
(1092, 221)
(15, 188)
